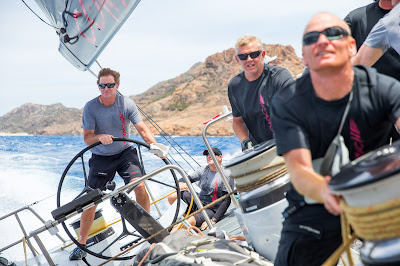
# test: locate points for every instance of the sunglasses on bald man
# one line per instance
(331, 33)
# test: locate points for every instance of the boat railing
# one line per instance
(154, 201)
(51, 225)
(223, 177)
(21, 226)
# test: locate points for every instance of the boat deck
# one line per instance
(229, 223)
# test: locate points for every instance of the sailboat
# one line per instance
(85, 28)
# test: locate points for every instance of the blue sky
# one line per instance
(159, 41)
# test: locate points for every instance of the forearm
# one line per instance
(302, 175)
(145, 133)
(91, 138)
(240, 128)
(222, 208)
(148, 138)
(367, 56)
(308, 183)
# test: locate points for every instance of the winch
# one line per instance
(369, 186)
(262, 180)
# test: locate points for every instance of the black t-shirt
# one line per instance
(251, 99)
(302, 120)
(361, 21)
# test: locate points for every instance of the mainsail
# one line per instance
(85, 27)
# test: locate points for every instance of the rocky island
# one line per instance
(179, 105)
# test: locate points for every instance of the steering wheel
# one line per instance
(64, 187)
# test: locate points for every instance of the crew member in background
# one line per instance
(306, 118)
(250, 92)
(361, 21)
(104, 118)
(384, 35)
(211, 189)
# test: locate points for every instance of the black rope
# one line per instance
(76, 37)
(164, 134)
(39, 16)
(61, 40)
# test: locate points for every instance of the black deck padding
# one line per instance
(93, 196)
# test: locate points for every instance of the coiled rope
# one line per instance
(263, 180)
(376, 222)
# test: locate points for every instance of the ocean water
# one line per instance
(31, 168)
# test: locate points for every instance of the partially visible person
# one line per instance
(250, 92)
(306, 117)
(104, 118)
(361, 21)
(211, 189)
(384, 35)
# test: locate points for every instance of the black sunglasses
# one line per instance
(252, 55)
(109, 85)
(331, 33)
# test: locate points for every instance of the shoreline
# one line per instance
(5, 134)
(23, 134)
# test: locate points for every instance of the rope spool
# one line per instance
(262, 181)
(257, 167)
(376, 222)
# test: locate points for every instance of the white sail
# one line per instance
(85, 27)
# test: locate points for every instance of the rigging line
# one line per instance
(158, 128)
(170, 155)
(176, 162)
(50, 196)
(38, 201)
(224, 142)
(87, 19)
(38, 15)
(190, 129)
(77, 58)
(91, 71)
(97, 62)
(76, 37)
(164, 134)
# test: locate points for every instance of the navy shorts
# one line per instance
(103, 168)
(187, 197)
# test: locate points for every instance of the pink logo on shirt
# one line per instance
(356, 137)
(214, 197)
(264, 111)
